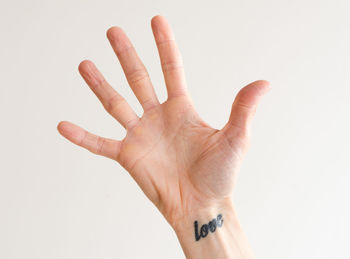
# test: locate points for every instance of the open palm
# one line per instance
(179, 161)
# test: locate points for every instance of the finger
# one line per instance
(113, 102)
(170, 57)
(133, 68)
(96, 144)
(244, 107)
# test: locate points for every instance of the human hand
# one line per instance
(183, 165)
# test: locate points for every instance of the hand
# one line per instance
(181, 163)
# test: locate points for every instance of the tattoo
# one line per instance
(205, 228)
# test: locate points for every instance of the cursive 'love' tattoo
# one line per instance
(205, 228)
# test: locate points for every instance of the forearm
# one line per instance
(213, 233)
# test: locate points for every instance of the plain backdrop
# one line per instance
(60, 201)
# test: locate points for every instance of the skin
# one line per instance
(184, 166)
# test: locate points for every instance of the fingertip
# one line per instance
(262, 82)
(60, 125)
(63, 127)
(251, 93)
(113, 31)
(260, 86)
(157, 18)
(85, 65)
(161, 29)
(265, 86)
(70, 131)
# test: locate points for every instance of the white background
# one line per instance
(60, 201)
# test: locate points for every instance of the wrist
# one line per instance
(212, 232)
(202, 213)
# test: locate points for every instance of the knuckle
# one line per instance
(130, 124)
(114, 102)
(98, 83)
(99, 146)
(240, 131)
(166, 43)
(137, 76)
(149, 104)
(172, 65)
(244, 106)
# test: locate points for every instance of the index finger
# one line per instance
(170, 57)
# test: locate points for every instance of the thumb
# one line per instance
(244, 107)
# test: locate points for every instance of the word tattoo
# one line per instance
(205, 228)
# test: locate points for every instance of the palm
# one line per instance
(172, 154)
(177, 159)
